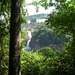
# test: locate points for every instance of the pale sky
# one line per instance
(32, 9)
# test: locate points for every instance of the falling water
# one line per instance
(28, 42)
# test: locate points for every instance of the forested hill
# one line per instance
(38, 16)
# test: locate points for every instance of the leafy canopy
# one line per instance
(63, 17)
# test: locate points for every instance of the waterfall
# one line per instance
(28, 42)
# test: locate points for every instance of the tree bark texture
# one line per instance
(14, 50)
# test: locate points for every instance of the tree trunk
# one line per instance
(14, 50)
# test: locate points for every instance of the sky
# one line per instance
(32, 9)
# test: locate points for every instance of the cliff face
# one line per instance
(44, 38)
(35, 46)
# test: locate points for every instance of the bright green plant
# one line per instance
(46, 62)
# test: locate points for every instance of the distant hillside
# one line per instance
(38, 16)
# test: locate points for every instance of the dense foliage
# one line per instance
(38, 16)
(46, 62)
(62, 19)
(44, 36)
(5, 13)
